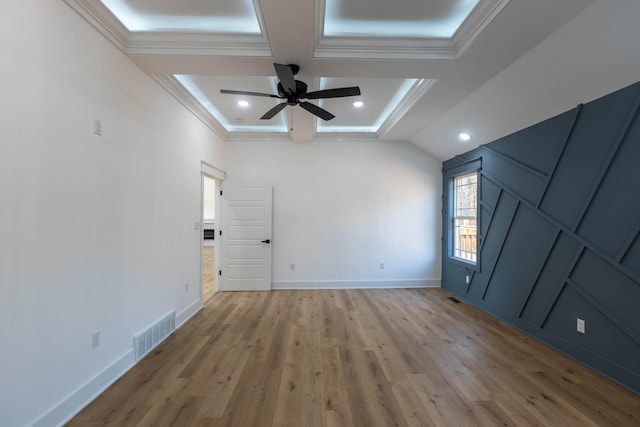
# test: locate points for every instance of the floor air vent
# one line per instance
(454, 299)
(144, 342)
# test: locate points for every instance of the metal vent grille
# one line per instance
(145, 341)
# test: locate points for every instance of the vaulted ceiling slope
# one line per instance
(427, 70)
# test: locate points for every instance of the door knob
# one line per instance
(266, 241)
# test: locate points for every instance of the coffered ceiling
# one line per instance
(413, 60)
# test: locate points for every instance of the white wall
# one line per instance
(96, 233)
(594, 54)
(342, 208)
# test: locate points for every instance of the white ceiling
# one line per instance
(417, 63)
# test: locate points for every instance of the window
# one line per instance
(465, 217)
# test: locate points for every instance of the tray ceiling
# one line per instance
(413, 60)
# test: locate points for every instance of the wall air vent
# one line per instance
(145, 341)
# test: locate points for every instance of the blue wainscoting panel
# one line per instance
(601, 337)
(549, 283)
(610, 290)
(595, 133)
(537, 146)
(505, 293)
(560, 233)
(618, 194)
(631, 259)
(503, 216)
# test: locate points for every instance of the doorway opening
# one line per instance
(209, 187)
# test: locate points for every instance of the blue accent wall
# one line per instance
(560, 233)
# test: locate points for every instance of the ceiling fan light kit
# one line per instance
(293, 91)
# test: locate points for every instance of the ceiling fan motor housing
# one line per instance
(293, 98)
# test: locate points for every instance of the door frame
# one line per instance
(218, 175)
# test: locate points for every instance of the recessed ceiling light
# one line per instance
(464, 136)
(358, 104)
(243, 104)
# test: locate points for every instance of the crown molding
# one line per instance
(374, 47)
(170, 42)
(191, 43)
(173, 86)
(286, 137)
(417, 91)
(385, 48)
(259, 137)
(103, 20)
(479, 18)
(346, 136)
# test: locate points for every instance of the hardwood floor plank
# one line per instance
(208, 272)
(355, 358)
(336, 400)
(386, 403)
(228, 369)
(263, 405)
(440, 402)
(601, 410)
(289, 400)
(359, 393)
(173, 410)
(415, 413)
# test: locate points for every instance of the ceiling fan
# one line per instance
(294, 90)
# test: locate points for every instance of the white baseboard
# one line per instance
(188, 313)
(66, 409)
(355, 284)
(76, 401)
(85, 394)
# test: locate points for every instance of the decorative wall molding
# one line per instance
(559, 248)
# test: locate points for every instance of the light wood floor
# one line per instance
(208, 272)
(356, 358)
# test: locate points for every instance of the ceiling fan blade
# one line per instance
(317, 111)
(285, 75)
(242, 92)
(272, 112)
(333, 93)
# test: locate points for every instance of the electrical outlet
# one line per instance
(382, 266)
(292, 267)
(580, 326)
(95, 339)
(467, 279)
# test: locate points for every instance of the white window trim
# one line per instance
(456, 250)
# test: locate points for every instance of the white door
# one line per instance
(246, 237)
